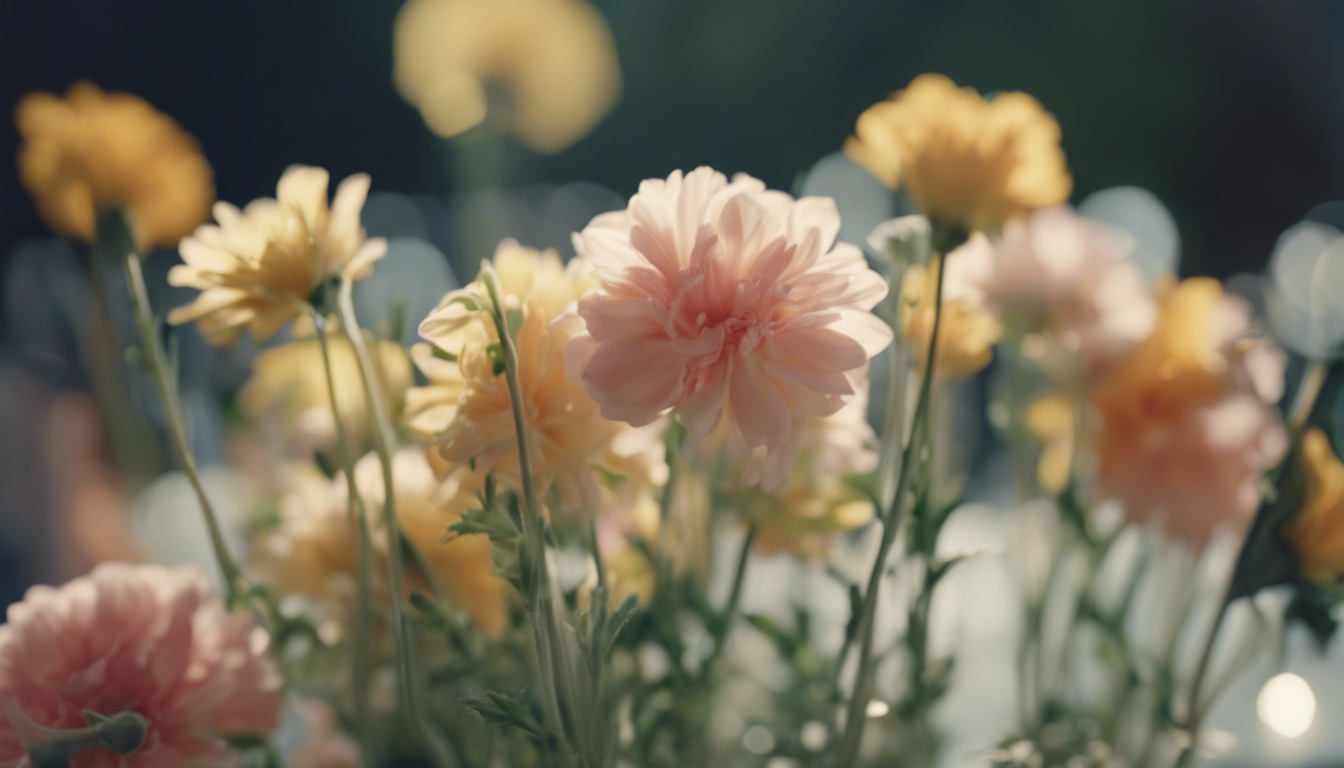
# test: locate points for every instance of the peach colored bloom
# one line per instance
(1064, 278)
(1187, 424)
(258, 266)
(93, 151)
(313, 549)
(965, 161)
(967, 331)
(725, 302)
(556, 57)
(138, 638)
(569, 436)
(1316, 533)
(289, 387)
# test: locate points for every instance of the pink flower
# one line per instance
(725, 302)
(1063, 278)
(134, 638)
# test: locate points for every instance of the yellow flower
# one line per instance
(1051, 419)
(462, 566)
(259, 265)
(568, 435)
(965, 161)
(967, 331)
(313, 550)
(1316, 534)
(92, 151)
(556, 57)
(289, 381)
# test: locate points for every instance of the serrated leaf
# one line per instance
(616, 624)
(502, 710)
(488, 522)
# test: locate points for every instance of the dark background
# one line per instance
(1231, 112)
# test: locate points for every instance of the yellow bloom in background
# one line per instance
(1316, 534)
(289, 384)
(967, 331)
(462, 566)
(1051, 419)
(313, 549)
(966, 161)
(257, 267)
(94, 151)
(556, 58)
(569, 437)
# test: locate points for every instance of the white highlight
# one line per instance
(1287, 705)
(878, 708)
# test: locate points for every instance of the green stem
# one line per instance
(729, 614)
(156, 362)
(382, 440)
(551, 658)
(361, 650)
(856, 713)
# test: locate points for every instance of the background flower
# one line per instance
(965, 161)
(725, 302)
(136, 638)
(257, 267)
(967, 331)
(93, 151)
(556, 57)
(1187, 423)
(1316, 533)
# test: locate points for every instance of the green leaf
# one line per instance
(499, 528)
(501, 710)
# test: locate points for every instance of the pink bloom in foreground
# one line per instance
(726, 302)
(134, 638)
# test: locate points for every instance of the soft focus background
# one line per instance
(1231, 113)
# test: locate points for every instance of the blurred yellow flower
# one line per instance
(556, 57)
(289, 382)
(1051, 419)
(967, 331)
(1186, 423)
(1316, 533)
(312, 550)
(965, 161)
(569, 437)
(258, 266)
(462, 566)
(92, 151)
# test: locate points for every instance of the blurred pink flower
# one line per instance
(1187, 425)
(725, 302)
(139, 638)
(1064, 278)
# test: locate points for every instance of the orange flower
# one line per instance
(1187, 424)
(92, 151)
(965, 161)
(1316, 534)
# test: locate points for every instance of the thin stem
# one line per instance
(550, 654)
(856, 713)
(156, 362)
(361, 650)
(382, 440)
(729, 614)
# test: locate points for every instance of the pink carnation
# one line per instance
(134, 638)
(726, 302)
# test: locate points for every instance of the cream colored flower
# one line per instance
(289, 382)
(1316, 532)
(313, 550)
(568, 435)
(257, 267)
(967, 331)
(965, 161)
(462, 566)
(1186, 422)
(92, 151)
(556, 57)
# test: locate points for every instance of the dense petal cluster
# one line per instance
(556, 57)
(1064, 279)
(257, 266)
(1187, 423)
(965, 161)
(568, 433)
(143, 639)
(93, 151)
(725, 302)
